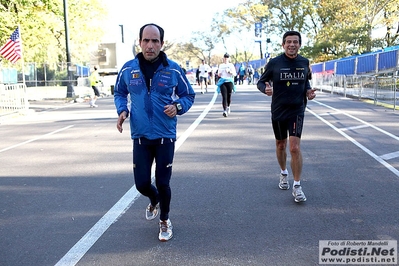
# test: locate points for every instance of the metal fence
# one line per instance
(380, 89)
(13, 100)
(383, 61)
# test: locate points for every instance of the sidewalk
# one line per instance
(48, 104)
(36, 107)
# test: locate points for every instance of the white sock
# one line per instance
(297, 183)
(284, 172)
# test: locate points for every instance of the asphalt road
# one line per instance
(67, 194)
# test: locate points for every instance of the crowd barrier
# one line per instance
(379, 89)
(13, 99)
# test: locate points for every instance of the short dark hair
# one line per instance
(226, 55)
(161, 32)
(292, 33)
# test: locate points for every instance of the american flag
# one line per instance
(12, 49)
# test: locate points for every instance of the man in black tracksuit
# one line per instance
(286, 79)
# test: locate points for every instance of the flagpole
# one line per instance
(22, 54)
(70, 89)
(25, 96)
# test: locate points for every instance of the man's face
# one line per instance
(150, 43)
(291, 46)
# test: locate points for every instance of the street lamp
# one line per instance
(258, 37)
(122, 34)
(265, 23)
(70, 90)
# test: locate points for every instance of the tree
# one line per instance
(387, 16)
(183, 52)
(333, 28)
(205, 43)
(242, 19)
(43, 31)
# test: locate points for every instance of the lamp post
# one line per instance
(265, 28)
(258, 37)
(122, 34)
(70, 90)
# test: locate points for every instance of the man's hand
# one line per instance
(170, 110)
(311, 94)
(121, 119)
(269, 89)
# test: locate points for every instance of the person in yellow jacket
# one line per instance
(94, 81)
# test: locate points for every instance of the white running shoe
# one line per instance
(284, 184)
(228, 110)
(151, 212)
(225, 113)
(165, 230)
(298, 194)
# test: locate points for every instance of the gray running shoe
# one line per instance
(284, 184)
(298, 194)
(165, 230)
(151, 212)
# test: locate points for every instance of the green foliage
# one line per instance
(42, 28)
(334, 28)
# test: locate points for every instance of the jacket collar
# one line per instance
(162, 55)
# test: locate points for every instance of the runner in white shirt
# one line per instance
(204, 75)
(225, 85)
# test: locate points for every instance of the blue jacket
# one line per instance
(169, 85)
(223, 80)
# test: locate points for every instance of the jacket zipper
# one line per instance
(149, 87)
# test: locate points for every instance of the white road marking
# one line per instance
(369, 152)
(390, 156)
(73, 256)
(353, 128)
(31, 140)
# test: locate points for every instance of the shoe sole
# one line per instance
(151, 218)
(284, 188)
(165, 240)
(299, 200)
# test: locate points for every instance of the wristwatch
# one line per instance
(178, 106)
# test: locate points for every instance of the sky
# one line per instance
(178, 18)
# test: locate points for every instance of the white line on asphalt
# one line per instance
(353, 128)
(329, 113)
(73, 256)
(369, 152)
(390, 156)
(359, 120)
(31, 140)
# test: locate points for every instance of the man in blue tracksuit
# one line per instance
(158, 91)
